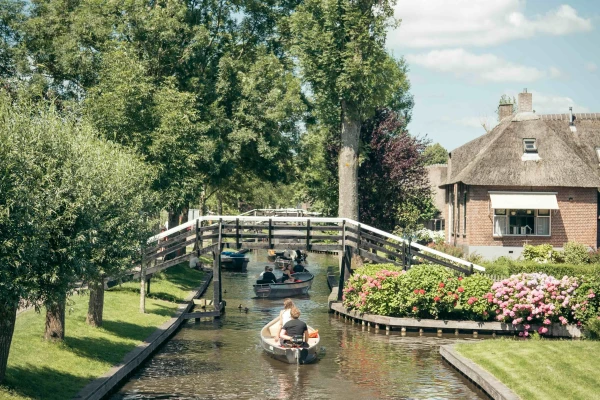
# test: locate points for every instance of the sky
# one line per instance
(463, 55)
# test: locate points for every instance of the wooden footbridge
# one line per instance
(268, 229)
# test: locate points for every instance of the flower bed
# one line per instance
(428, 291)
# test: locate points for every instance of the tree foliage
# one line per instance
(435, 154)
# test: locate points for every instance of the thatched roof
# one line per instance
(566, 158)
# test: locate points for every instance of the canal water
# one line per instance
(222, 359)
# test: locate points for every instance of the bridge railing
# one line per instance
(212, 233)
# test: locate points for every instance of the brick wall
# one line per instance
(575, 220)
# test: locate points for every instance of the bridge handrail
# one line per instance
(391, 236)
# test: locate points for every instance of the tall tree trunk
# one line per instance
(8, 314)
(96, 304)
(143, 288)
(348, 165)
(55, 319)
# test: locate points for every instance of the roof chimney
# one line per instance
(505, 110)
(525, 102)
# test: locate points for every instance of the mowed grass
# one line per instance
(541, 369)
(41, 370)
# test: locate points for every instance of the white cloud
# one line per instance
(592, 67)
(451, 23)
(551, 104)
(478, 67)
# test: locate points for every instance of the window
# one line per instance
(521, 222)
(529, 146)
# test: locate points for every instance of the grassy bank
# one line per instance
(541, 369)
(41, 370)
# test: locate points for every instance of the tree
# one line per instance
(435, 154)
(340, 46)
(392, 174)
(180, 82)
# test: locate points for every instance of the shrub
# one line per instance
(474, 300)
(587, 297)
(448, 249)
(429, 291)
(576, 253)
(594, 256)
(534, 298)
(592, 328)
(424, 291)
(540, 254)
(507, 267)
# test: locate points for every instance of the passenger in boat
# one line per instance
(285, 315)
(299, 268)
(267, 276)
(287, 274)
(294, 328)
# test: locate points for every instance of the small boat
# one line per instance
(275, 290)
(234, 261)
(289, 355)
(283, 262)
(273, 254)
(332, 278)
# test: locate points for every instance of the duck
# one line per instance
(246, 310)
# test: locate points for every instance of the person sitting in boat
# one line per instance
(287, 274)
(267, 276)
(299, 268)
(285, 315)
(293, 329)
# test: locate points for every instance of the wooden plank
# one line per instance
(365, 244)
(441, 262)
(381, 240)
(376, 258)
(171, 249)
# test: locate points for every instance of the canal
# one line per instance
(222, 359)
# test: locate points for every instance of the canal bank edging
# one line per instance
(107, 383)
(486, 381)
(474, 327)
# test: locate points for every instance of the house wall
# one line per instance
(437, 175)
(576, 220)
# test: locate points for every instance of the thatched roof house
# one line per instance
(532, 179)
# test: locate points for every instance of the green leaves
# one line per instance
(76, 203)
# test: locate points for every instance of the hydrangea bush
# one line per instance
(428, 291)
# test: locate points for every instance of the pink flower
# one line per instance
(460, 289)
(442, 284)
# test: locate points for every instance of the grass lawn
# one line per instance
(41, 370)
(541, 369)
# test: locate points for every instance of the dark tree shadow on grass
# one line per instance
(43, 383)
(100, 349)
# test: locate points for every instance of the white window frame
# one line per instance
(506, 217)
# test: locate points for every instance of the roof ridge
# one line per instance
(566, 117)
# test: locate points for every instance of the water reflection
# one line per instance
(222, 359)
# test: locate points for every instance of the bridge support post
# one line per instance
(345, 269)
(217, 296)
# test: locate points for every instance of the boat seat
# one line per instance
(273, 329)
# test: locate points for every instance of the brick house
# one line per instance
(533, 179)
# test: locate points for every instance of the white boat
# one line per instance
(277, 290)
(286, 354)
